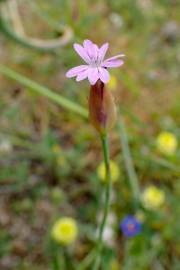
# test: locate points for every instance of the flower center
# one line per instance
(95, 64)
(131, 227)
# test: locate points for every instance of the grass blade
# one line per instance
(42, 90)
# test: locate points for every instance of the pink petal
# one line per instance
(112, 63)
(115, 57)
(102, 52)
(104, 75)
(95, 51)
(82, 53)
(91, 49)
(93, 75)
(83, 75)
(87, 45)
(75, 71)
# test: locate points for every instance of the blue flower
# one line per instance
(130, 226)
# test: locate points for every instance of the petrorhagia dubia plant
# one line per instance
(102, 110)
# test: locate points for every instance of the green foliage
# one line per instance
(49, 153)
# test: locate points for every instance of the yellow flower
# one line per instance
(112, 84)
(65, 231)
(153, 197)
(166, 143)
(115, 172)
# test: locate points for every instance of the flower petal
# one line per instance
(102, 52)
(75, 71)
(95, 51)
(104, 75)
(93, 75)
(115, 57)
(90, 48)
(88, 44)
(83, 75)
(112, 63)
(82, 53)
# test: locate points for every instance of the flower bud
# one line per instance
(102, 109)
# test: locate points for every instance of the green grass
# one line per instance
(49, 152)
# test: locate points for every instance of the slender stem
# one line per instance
(42, 90)
(105, 148)
(57, 258)
(87, 260)
(133, 179)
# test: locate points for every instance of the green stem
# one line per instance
(57, 257)
(105, 148)
(87, 260)
(42, 90)
(133, 179)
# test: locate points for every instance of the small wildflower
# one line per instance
(112, 84)
(65, 231)
(166, 143)
(102, 109)
(153, 197)
(130, 226)
(95, 67)
(115, 171)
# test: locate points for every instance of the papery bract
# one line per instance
(102, 109)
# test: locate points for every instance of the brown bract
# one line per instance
(102, 109)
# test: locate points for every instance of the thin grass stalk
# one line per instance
(133, 179)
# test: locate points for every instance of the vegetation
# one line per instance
(51, 163)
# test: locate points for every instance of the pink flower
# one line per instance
(96, 66)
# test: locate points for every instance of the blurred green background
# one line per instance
(49, 155)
